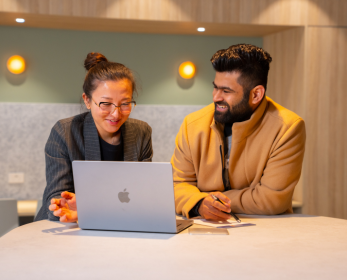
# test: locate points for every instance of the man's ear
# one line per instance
(257, 95)
(86, 100)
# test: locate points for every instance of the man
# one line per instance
(244, 148)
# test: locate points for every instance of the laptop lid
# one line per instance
(127, 196)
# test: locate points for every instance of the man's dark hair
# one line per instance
(250, 61)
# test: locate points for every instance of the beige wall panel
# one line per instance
(286, 77)
(285, 82)
(325, 179)
(327, 12)
(139, 26)
(322, 105)
(291, 12)
(274, 12)
(25, 6)
(134, 9)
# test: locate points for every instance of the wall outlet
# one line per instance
(16, 178)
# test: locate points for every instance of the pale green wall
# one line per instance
(55, 58)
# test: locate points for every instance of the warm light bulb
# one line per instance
(20, 20)
(187, 70)
(16, 64)
(201, 29)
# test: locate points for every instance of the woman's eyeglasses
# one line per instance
(109, 108)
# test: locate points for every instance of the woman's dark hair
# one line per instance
(100, 70)
(251, 61)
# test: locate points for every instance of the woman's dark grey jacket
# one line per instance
(76, 138)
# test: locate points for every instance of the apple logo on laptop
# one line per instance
(123, 196)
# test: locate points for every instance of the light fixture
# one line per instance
(16, 64)
(20, 20)
(187, 70)
(201, 29)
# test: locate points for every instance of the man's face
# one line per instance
(231, 104)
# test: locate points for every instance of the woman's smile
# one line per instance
(112, 122)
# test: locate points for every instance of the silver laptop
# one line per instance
(126, 196)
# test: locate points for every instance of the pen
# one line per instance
(231, 213)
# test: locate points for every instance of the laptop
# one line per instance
(126, 196)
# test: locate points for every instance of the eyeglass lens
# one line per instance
(124, 108)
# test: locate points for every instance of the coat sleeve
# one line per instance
(59, 176)
(187, 194)
(273, 193)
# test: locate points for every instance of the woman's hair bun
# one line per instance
(92, 59)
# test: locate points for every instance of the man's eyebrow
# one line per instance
(228, 88)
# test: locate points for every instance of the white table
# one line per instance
(278, 247)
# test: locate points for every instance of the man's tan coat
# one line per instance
(265, 160)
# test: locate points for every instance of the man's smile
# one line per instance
(221, 108)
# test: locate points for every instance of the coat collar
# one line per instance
(243, 129)
(91, 139)
(129, 141)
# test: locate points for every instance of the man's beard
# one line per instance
(238, 113)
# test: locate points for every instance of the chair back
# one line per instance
(8, 215)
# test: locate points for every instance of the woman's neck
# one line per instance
(112, 138)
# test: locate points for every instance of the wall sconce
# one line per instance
(16, 64)
(187, 70)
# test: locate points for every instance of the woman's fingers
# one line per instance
(58, 213)
(55, 201)
(63, 212)
(68, 195)
(63, 202)
(63, 219)
(53, 207)
(60, 207)
(69, 217)
(57, 204)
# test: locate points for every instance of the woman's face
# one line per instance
(117, 92)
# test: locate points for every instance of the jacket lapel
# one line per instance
(129, 142)
(91, 139)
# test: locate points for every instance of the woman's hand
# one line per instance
(65, 207)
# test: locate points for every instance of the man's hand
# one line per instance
(211, 209)
(65, 207)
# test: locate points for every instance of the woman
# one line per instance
(104, 133)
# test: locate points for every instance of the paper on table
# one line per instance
(221, 224)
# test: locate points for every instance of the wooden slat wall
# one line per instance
(326, 165)
(327, 12)
(275, 12)
(285, 82)
(272, 12)
(286, 76)
(308, 76)
(293, 12)
(139, 26)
